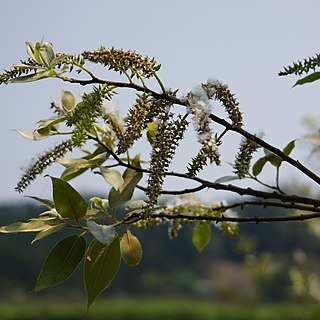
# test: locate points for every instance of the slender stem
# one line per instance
(159, 82)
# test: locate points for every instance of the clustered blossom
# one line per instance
(216, 90)
(110, 113)
(199, 107)
(169, 132)
(121, 60)
(244, 156)
(139, 115)
(42, 163)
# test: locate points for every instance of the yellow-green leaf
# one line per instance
(201, 235)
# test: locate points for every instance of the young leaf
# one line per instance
(131, 250)
(274, 160)
(34, 76)
(258, 166)
(289, 147)
(226, 179)
(46, 202)
(35, 135)
(48, 231)
(68, 202)
(30, 226)
(75, 170)
(46, 54)
(61, 262)
(201, 235)
(104, 234)
(309, 78)
(130, 180)
(100, 267)
(113, 177)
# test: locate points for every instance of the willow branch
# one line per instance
(267, 146)
(300, 217)
(177, 192)
(219, 186)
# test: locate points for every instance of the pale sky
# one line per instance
(242, 43)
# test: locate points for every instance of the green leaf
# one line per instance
(68, 202)
(33, 51)
(258, 166)
(34, 76)
(68, 162)
(45, 126)
(289, 147)
(274, 159)
(131, 250)
(113, 177)
(201, 235)
(46, 202)
(61, 262)
(75, 170)
(309, 78)
(30, 226)
(131, 178)
(48, 231)
(226, 179)
(104, 234)
(32, 135)
(47, 54)
(101, 265)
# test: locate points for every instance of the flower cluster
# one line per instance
(24, 68)
(169, 132)
(87, 111)
(300, 67)
(244, 156)
(220, 92)
(139, 115)
(110, 114)
(123, 61)
(199, 107)
(42, 163)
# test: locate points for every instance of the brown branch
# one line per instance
(219, 186)
(300, 217)
(266, 145)
(177, 192)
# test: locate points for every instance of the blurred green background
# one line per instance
(270, 271)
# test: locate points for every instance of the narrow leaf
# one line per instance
(32, 135)
(104, 234)
(68, 202)
(201, 235)
(34, 76)
(289, 147)
(226, 179)
(74, 171)
(258, 166)
(309, 78)
(61, 262)
(30, 226)
(46, 202)
(48, 231)
(100, 267)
